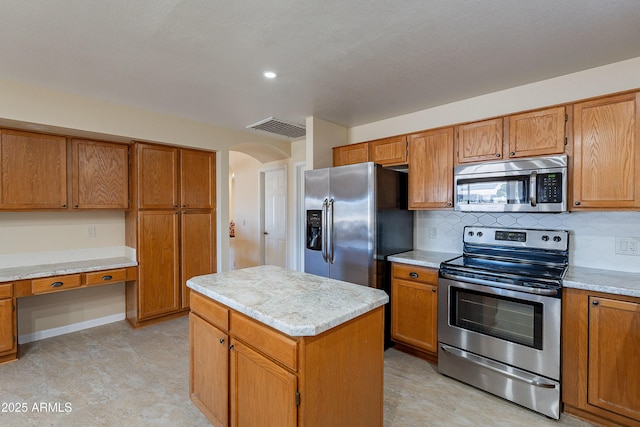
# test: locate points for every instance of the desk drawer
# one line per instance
(415, 273)
(107, 276)
(5, 290)
(55, 283)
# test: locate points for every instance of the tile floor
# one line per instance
(113, 375)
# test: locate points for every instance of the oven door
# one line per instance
(513, 327)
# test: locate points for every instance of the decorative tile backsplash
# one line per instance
(592, 234)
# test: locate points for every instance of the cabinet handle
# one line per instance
(107, 277)
(57, 284)
(221, 340)
(497, 154)
(414, 275)
(231, 347)
(577, 203)
(595, 302)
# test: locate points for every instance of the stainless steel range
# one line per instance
(500, 309)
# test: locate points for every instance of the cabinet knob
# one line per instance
(414, 275)
(449, 204)
(577, 203)
(57, 284)
(64, 206)
(497, 154)
(107, 277)
(595, 302)
(221, 340)
(513, 153)
(433, 289)
(231, 347)
(76, 206)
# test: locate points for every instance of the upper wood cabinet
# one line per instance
(431, 169)
(600, 362)
(197, 178)
(606, 159)
(350, 154)
(480, 141)
(157, 176)
(100, 172)
(389, 151)
(534, 133)
(33, 171)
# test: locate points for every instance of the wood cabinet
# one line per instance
(350, 154)
(414, 308)
(100, 175)
(33, 171)
(172, 227)
(7, 322)
(534, 133)
(158, 257)
(389, 151)
(606, 158)
(431, 169)
(242, 372)
(601, 357)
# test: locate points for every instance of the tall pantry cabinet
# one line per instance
(172, 227)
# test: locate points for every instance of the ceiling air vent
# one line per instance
(279, 127)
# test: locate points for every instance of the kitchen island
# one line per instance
(275, 347)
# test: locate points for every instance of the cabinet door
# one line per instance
(606, 161)
(33, 171)
(100, 175)
(389, 151)
(197, 179)
(209, 370)
(262, 392)
(414, 314)
(197, 244)
(614, 356)
(158, 254)
(537, 133)
(157, 176)
(350, 154)
(480, 141)
(6, 325)
(431, 169)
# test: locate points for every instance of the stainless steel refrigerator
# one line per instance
(356, 215)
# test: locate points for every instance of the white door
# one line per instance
(275, 217)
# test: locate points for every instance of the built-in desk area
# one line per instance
(26, 281)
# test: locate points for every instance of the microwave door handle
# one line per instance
(533, 188)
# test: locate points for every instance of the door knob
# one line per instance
(265, 233)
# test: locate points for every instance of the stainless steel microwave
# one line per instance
(535, 184)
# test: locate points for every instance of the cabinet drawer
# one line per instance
(262, 338)
(6, 290)
(415, 273)
(55, 284)
(107, 276)
(210, 310)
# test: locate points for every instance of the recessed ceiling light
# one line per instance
(270, 74)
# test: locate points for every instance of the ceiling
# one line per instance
(349, 62)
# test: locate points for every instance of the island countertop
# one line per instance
(292, 302)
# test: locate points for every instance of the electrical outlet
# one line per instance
(91, 231)
(628, 246)
(433, 233)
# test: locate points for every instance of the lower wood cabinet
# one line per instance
(414, 309)
(244, 373)
(601, 357)
(7, 320)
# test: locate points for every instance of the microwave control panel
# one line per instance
(550, 187)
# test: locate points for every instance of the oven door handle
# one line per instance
(471, 358)
(525, 289)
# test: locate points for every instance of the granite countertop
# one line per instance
(591, 279)
(422, 258)
(57, 269)
(295, 303)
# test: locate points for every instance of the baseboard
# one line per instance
(74, 327)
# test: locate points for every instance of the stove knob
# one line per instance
(545, 238)
(479, 233)
(557, 238)
(470, 234)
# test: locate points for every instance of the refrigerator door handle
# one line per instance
(330, 248)
(324, 230)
